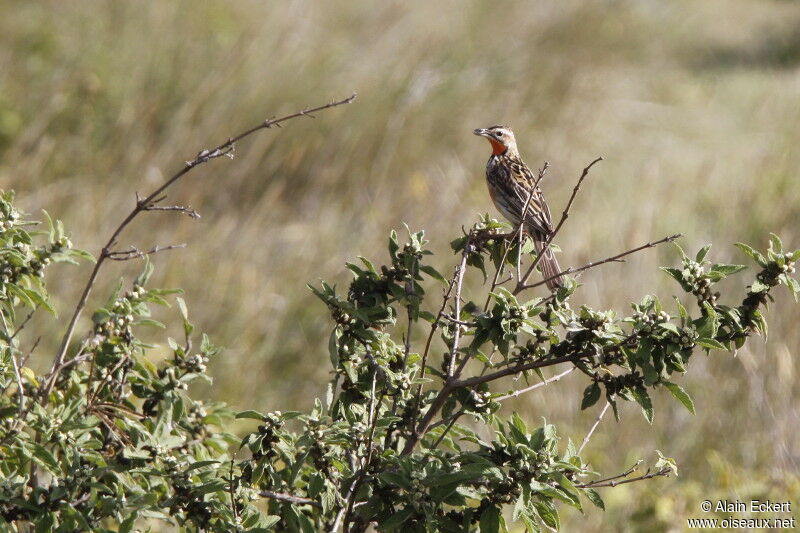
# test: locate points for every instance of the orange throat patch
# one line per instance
(497, 147)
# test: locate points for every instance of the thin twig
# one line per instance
(22, 326)
(424, 361)
(613, 258)
(135, 253)
(17, 375)
(224, 149)
(594, 427)
(185, 209)
(372, 420)
(533, 387)
(522, 282)
(20, 387)
(459, 322)
(232, 489)
(450, 423)
(462, 267)
(289, 498)
(434, 327)
(613, 483)
(454, 384)
(410, 291)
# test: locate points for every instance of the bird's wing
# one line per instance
(537, 215)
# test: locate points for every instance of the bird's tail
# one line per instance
(549, 266)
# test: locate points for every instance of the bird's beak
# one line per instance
(483, 132)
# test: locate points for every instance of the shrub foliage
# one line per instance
(410, 432)
(119, 442)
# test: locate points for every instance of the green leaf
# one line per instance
(708, 324)
(776, 245)
(432, 272)
(681, 395)
(711, 344)
(680, 250)
(754, 254)
(590, 395)
(641, 396)
(215, 485)
(666, 462)
(83, 254)
(490, 520)
(702, 253)
(548, 513)
(333, 347)
(147, 271)
(593, 496)
(397, 519)
(396, 479)
(727, 270)
(677, 275)
(519, 424)
(669, 326)
(44, 458)
(270, 520)
(254, 415)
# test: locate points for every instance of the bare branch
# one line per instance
(613, 482)
(21, 326)
(288, 498)
(459, 322)
(135, 253)
(547, 381)
(144, 204)
(232, 490)
(594, 427)
(20, 387)
(185, 209)
(372, 419)
(613, 258)
(462, 267)
(521, 282)
(450, 423)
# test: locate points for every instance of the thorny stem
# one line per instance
(147, 203)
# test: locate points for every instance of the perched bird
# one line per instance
(510, 182)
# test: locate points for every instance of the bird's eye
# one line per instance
(499, 133)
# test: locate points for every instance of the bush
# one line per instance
(110, 440)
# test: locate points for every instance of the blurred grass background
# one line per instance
(695, 106)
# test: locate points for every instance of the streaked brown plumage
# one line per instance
(510, 181)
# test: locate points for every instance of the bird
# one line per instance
(510, 182)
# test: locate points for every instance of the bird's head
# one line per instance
(500, 137)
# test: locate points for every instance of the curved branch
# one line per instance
(146, 204)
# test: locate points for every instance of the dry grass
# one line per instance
(694, 106)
